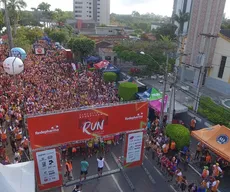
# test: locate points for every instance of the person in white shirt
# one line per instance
(100, 162)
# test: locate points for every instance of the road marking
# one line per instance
(173, 188)
(207, 124)
(62, 189)
(157, 170)
(113, 177)
(193, 115)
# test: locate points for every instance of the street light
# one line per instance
(165, 84)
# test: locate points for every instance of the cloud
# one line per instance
(134, 2)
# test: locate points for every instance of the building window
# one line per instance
(222, 66)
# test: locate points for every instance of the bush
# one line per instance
(215, 113)
(127, 91)
(109, 77)
(179, 134)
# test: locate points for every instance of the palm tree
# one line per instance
(181, 18)
(14, 7)
(45, 9)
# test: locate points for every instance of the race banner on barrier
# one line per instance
(39, 51)
(48, 169)
(55, 129)
(134, 148)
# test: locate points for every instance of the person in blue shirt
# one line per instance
(84, 168)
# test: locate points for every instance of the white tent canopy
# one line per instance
(179, 108)
(18, 177)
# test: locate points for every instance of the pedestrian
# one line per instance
(184, 184)
(77, 188)
(198, 150)
(69, 169)
(100, 163)
(84, 168)
(193, 124)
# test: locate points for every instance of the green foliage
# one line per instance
(127, 91)
(57, 35)
(179, 134)
(109, 77)
(81, 46)
(1, 21)
(217, 114)
(26, 36)
(165, 30)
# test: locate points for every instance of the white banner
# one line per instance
(39, 51)
(47, 166)
(134, 147)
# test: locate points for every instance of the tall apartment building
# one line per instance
(205, 18)
(185, 6)
(94, 10)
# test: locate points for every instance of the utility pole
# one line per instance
(8, 27)
(203, 62)
(164, 92)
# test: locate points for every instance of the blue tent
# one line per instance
(92, 59)
(144, 95)
(111, 68)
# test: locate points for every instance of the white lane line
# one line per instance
(157, 170)
(113, 177)
(62, 189)
(173, 188)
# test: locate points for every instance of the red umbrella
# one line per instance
(101, 65)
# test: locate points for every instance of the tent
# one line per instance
(156, 104)
(216, 138)
(101, 65)
(18, 177)
(111, 68)
(151, 94)
(92, 59)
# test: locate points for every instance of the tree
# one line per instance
(165, 30)
(46, 13)
(26, 36)
(14, 7)
(181, 18)
(179, 134)
(1, 21)
(127, 91)
(60, 36)
(136, 14)
(81, 46)
(28, 18)
(109, 77)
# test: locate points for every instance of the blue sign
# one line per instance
(222, 139)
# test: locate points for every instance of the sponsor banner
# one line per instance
(134, 148)
(59, 128)
(48, 169)
(39, 51)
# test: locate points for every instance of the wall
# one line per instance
(213, 82)
(104, 12)
(222, 49)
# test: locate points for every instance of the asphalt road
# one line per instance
(117, 182)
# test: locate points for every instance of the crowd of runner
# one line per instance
(48, 83)
(163, 150)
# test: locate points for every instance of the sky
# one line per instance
(158, 7)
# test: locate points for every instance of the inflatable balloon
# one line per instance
(13, 65)
(18, 52)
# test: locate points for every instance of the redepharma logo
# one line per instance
(138, 116)
(54, 129)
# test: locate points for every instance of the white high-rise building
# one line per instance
(96, 10)
(184, 6)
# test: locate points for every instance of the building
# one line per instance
(95, 10)
(185, 6)
(219, 74)
(205, 19)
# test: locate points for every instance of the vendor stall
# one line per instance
(216, 138)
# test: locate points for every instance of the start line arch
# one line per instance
(49, 131)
